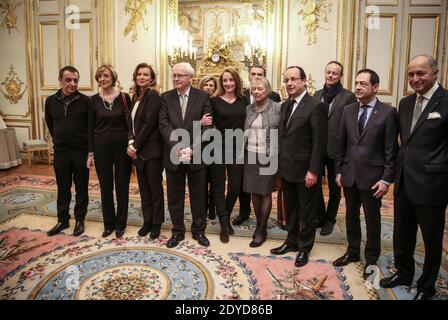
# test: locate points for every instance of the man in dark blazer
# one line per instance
(335, 98)
(244, 198)
(421, 182)
(180, 109)
(302, 145)
(365, 166)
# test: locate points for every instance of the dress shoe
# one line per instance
(284, 248)
(107, 232)
(154, 235)
(239, 220)
(301, 259)
(119, 233)
(58, 228)
(365, 273)
(79, 228)
(174, 240)
(422, 296)
(254, 244)
(155, 231)
(393, 281)
(202, 239)
(144, 230)
(345, 260)
(327, 229)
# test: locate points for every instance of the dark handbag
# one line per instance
(281, 214)
(125, 103)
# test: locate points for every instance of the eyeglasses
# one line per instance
(179, 76)
(293, 79)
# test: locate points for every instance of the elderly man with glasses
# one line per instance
(179, 109)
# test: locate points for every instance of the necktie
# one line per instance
(288, 112)
(362, 119)
(417, 111)
(183, 104)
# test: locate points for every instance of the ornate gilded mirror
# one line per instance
(212, 35)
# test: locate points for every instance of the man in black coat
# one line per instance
(66, 116)
(335, 98)
(244, 198)
(421, 182)
(180, 108)
(365, 166)
(302, 145)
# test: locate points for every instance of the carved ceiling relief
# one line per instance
(8, 14)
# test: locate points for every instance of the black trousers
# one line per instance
(244, 199)
(113, 165)
(71, 165)
(328, 214)
(225, 202)
(176, 198)
(431, 220)
(209, 195)
(354, 198)
(149, 176)
(301, 213)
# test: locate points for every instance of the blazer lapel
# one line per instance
(281, 126)
(297, 111)
(176, 105)
(335, 103)
(407, 116)
(371, 119)
(190, 104)
(432, 104)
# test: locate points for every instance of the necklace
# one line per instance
(108, 105)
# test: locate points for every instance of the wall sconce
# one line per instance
(254, 56)
(181, 47)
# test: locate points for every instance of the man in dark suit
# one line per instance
(244, 198)
(66, 114)
(421, 182)
(365, 166)
(335, 98)
(302, 145)
(180, 108)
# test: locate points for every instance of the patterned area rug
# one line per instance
(34, 266)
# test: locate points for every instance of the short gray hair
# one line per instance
(264, 82)
(431, 61)
(185, 66)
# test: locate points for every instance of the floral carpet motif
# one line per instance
(64, 267)
(276, 278)
(128, 274)
(19, 246)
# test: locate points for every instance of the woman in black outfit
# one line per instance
(229, 112)
(209, 84)
(108, 133)
(145, 147)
